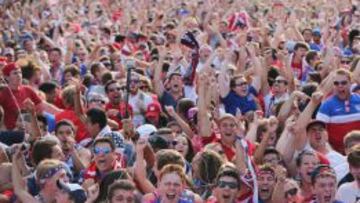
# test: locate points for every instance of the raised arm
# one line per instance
(157, 81)
(183, 124)
(203, 116)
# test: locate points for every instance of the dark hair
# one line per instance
(209, 165)
(310, 56)
(105, 140)
(56, 49)
(354, 156)
(73, 70)
(28, 70)
(97, 116)
(105, 77)
(190, 153)
(41, 119)
(183, 106)
(108, 180)
(106, 30)
(299, 45)
(64, 123)
(94, 68)
(233, 80)
(42, 150)
(168, 156)
(107, 84)
(230, 171)
(120, 185)
(47, 87)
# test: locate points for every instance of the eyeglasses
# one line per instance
(291, 192)
(345, 62)
(115, 89)
(97, 101)
(241, 84)
(231, 185)
(144, 87)
(281, 81)
(98, 150)
(343, 83)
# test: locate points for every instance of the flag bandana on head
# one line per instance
(188, 39)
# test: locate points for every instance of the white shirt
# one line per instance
(270, 100)
(348, 192)
(134, 101)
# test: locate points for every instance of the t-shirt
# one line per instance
(122, 110)
(12, 100)
(233, 101)
(348, 192)
(138, 118)
(81, 131)
(341, 117)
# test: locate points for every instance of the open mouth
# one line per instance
(226, 196)
(327, 198)
(170, 196)
(228, 134)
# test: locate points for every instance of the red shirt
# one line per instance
(9, 102)
(69, 114)
(92, 173)
(229, 151)
(297, 69)
(122, 110)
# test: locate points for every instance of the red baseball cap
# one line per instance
(9, 67)
(153, 110)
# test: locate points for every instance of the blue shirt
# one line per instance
(233, 101)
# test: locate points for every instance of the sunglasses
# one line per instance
(98, 150)
(345, 62)
(144, 87)
(343, 83)
(231, 185)
(241, 84)
(291, 192)
(98, 101)
(280, 81)
(115, 89)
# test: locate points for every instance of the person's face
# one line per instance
(123, 196)
(341, 86)
(57, 153)
(176, 129)
(226, 189)
(15, 77)
(82, 55)
(271, 158)
(114, 93)
(67, 77)
(228, 130)
(54, 57)
(104, 157)
(300, 52)
(307, 166)
(92, 128)
(318, 136)
(321, 70)
(66, 135)
(266, 182)
(307, 35)
(355, 171)
(10, 57)
(170, 187)
(176, 83)
(325, 189)
(316, 38)
(180, 144)
(280, 85)
(29, 45)
(134, 84)
(241, 87)
(204, 54)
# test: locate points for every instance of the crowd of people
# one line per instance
(168, 101)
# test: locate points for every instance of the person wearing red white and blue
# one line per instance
(341, 111)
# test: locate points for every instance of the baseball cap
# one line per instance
(315, 122)
(9, 51)
(227, 116)
(9, 67)
(76, 192)
(153, 110)
(146, 129)
(316, 32)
